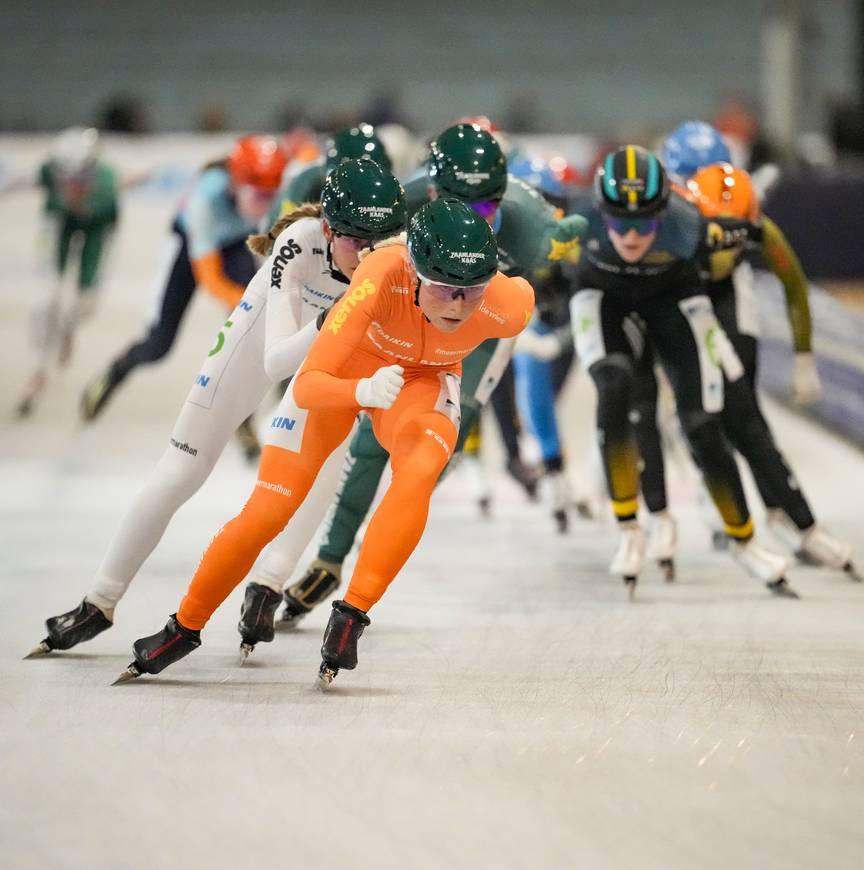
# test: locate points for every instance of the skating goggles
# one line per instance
(448, 292)
(644, 226)
(486, 208)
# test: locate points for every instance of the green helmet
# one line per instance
(354, 142)
(465, 162)
(362, 199)
(450, 243)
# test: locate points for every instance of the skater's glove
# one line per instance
(381, 390)
(806, 386)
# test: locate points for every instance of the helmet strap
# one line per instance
(335, 273)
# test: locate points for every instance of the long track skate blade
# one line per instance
(38, 651)
(245, 650)
(667, 566)
(325, 678)
(852, 573)
(131, 673)
(782, 589)
(630, 583)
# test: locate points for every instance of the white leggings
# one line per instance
(231, 385)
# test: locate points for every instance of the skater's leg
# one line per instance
(420, 435)
(644, 416)
(285, 476)
(231, 383)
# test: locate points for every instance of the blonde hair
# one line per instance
(398, 239)
(263, 244)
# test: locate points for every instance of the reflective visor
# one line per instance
(644, 226)
(486, 208)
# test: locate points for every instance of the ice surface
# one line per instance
(511, 708)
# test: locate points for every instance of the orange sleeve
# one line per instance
(317, 384)
(211, 276)
(509, 304)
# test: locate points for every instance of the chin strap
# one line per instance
(335, 273)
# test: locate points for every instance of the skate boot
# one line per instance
(69, 629)
(257, 617)
(524, 475)
(318, 583)
(813, 546)
(154, 653)
(662, 541)
(96, 395)
(630, 554)
(248, 440)
(339, 648)
(764, 565)
(556, 493)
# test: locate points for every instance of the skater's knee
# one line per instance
(613, 377)
(702, 430)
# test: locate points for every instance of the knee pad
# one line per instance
(613, 377)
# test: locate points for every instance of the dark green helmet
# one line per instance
(450, 243)
(465, 162)
(631, 182)
(355, 142)
(362, 199)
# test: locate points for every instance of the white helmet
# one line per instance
(76, 150)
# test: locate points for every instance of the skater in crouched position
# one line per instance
(311, 255)
(393, 346)
(640, 261)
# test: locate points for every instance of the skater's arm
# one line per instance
(317, 384)
(781, 258)
(210, 274)
(508, 305)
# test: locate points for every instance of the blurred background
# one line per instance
(172, 86)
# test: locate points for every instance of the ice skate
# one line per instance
(814, 546)
(32, 390)
(96, 395)
(524, 475)
(662, 541)
(556, 493)
(317, 584)
(71, 628)
(628, 559)
(339, 648)
(257, 617)
(154, 653)
(764, 565)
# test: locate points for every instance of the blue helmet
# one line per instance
(690, 147)
(537, 173)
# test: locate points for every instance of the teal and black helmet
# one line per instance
(362, 199)
(354, 142)
(631, 182)
(465, 162)
(450, 243)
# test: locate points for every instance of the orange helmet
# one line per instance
(723, 190)
(257, 161)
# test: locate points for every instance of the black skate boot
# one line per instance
(316, 585)
(70, 629)
(154, 653)
(339, 649)
(256, 617)
(96, 395)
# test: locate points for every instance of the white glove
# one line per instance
(381, 390)
(806, 386)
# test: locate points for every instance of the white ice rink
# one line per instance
(511, 708)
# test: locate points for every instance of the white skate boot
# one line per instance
(555, 493)
(764, 565)
(662, 541)
(815, 546)
(628, 559)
